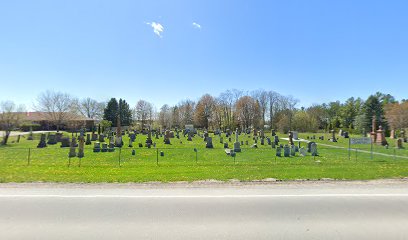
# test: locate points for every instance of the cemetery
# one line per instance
(92, 157)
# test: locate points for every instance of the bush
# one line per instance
(26, 127)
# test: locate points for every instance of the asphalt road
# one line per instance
(345, 210)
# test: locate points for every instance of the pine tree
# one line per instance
(111, 111)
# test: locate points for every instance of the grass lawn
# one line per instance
(51, 164)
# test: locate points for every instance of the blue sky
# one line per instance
(317, 51)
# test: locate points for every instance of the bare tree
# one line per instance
(248, 112)
(144, 112)
(262, 97)
(89, 108)
(165, 116)
(186, 111)
(56, 106)
(10, 118)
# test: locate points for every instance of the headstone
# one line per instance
(72, 148)
(104, 147)
(130, 143)
(101, 138)
(161, 154)
(262, 141)
(140, 145)
(94, 137)
(149, 137)
(273, 144)
(399, 143)
(97, 147)
(237, 145)
(273, 132)
(309, 146)
(279, 151)
(81, 146)
(111, 147)
(30, 136)
(225, 145)
(295, 135)
(42, 143)
(341, 132)
(65, 142)
(133, 152)
(286, 151)
(58, 136)
(380, 139)
(302, 152)
(292, 150)
(290, 138)
(346, 135)
(333, 138)
(221, 140)
(88, 139)
(209, 143)
(254, 145)
(313, 149)
(167, 137)
(276, 139)
(52, 139)
(268, 140)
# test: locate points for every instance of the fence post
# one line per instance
(29, 155)
(120, 152)
(395, 154)
(157, 156)
(349, 151)
(356, 153)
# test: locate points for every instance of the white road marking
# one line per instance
(202, 196)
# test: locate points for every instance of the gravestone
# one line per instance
(65, 142)
(341, 132)
(273, 132)
(286, 151)
(262, 141)
(268, 140)
(133, 152)
(111, 147)
(101, 138)
(302, 152)
(225, 145)
(313, 149)
(399, 143)
(104, 147)
(237, 145)
(167, 137)
(130, 143)
(290, 138)
(52, 139)
(88, 139)
(30, 136)
(74, 142)
(292, 150)
(279, 151)
(346, 135)
(81, 147)
(254, 145)
(273, 144)
(209, 143)
(380, 137)
(309, 146)
(221, 140)
(72, 148)
(189, 137)
(58, 136)
(333, 138)
(276, 139)
(295, 135)
(18, 138)
(97, 147)
(94, 137)
(140, 145)
(42, 143)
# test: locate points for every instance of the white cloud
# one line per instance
(157, 28)
(196, 25)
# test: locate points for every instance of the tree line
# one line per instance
(231, 109)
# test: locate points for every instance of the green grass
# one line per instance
(51, 164)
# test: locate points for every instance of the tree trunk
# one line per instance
(5, 138)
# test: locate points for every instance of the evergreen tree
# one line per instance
(125, 113)
(374, 108)
(111, 111)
